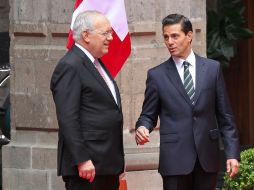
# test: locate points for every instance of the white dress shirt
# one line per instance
(192, 67)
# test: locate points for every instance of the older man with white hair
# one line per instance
(88, 108)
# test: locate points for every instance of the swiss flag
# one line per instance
(120, 47)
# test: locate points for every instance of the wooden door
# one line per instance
(239, 79)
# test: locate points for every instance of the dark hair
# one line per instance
(176, 19)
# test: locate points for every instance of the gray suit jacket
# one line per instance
(189, 131)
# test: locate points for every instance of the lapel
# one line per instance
(90, 66)
(176, 80)
(200, 76)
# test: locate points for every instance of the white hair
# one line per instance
(84, 22)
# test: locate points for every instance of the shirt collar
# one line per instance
(190, 59)
(89, 55)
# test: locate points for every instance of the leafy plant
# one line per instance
(225, 27)
(244, 180)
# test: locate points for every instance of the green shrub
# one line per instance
(244, 180)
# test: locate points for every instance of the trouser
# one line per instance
(101, 182)
(198, 179)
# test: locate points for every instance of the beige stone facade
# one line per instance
(38, 30)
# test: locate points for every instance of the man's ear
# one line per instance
(190, 36)
(85, 36)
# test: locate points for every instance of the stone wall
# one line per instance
(38, 31)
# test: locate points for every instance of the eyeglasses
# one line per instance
(106, 34)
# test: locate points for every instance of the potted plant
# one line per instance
(225, 27)
(244, 180)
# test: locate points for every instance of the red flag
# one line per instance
(120, 47)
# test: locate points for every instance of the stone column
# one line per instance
(38, 37)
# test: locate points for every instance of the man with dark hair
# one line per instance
(188, 93)
(88, 107)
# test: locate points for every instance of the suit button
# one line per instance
(194, 118)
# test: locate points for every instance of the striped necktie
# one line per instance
(188, 82)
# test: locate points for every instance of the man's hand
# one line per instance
(87, 170)
(232, 167)
(142, 135)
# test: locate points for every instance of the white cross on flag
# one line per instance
(120, 47)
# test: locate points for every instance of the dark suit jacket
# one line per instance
(90, 121)
(187, 131)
